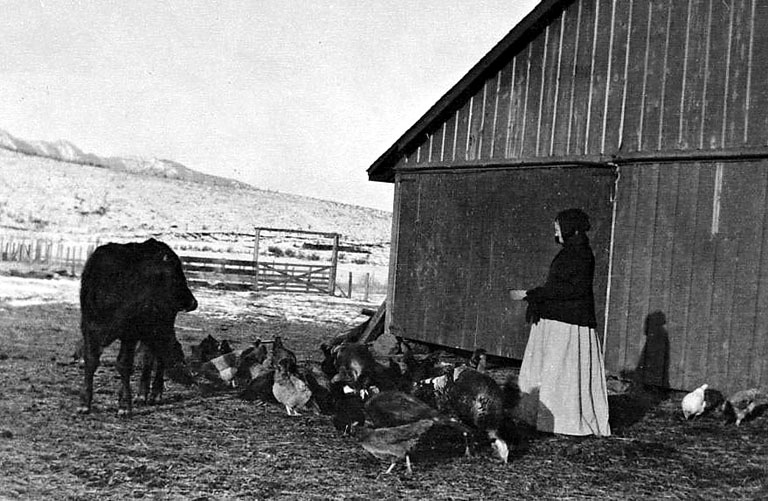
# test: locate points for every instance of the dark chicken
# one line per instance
(280, 352)
(479, 402)
(394, 443)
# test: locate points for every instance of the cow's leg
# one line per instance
(158, 383)
(124, 367)
(91, 356)
(148, 362)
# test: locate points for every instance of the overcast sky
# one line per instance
(294, 96)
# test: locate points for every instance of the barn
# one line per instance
(652, 116)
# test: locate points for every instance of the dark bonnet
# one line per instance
(571, 221)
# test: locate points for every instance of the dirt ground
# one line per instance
(197, 446)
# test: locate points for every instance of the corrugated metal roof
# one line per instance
(537, 19)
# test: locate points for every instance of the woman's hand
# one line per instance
(516, 294)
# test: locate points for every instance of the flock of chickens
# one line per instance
(739, 406)
(388, 408)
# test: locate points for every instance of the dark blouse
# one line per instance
(567, 294)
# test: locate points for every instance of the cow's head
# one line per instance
(163, 272)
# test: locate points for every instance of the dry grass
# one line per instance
(215, 446)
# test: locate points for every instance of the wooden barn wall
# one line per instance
(618, 75)
(466, 238)
(689, 289)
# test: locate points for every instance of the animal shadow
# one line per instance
(653, 364)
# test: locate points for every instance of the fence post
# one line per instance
(349, 294)
(334, 264)
(367, 285)
(256, 237)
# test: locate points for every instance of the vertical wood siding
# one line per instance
(689, 282)
(620, 75)
(464, 241)
(687, 305)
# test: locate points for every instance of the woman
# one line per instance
(562, 378)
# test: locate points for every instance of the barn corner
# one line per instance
(647, 114)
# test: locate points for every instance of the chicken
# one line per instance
(353, 360)
(348, 408)
(225, 347)
(208, 349)
(289, 389)
(260, 387)
(395, 442)
(280, 352)
(417, 370)
(329, 360)
(434, 391)
(393, 408)
(318, 384)
(224, 368)
(479, 402)
(251, 364)
(713, 399)
(357, 367)
(478, 360)
(744, 403)
(693, 403)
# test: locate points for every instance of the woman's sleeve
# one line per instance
(569, 278)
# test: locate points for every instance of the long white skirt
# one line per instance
(562, 381)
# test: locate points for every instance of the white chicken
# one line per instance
(745, 402)
(694, 403)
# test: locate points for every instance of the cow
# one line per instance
(132, 292)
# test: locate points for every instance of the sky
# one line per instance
(292, 96)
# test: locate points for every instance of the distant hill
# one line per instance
(56, 188)
(68, 152)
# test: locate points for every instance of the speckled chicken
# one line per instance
(289, 389)
(744, 403)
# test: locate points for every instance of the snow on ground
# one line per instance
(309, 308)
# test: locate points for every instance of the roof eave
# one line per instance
(382, 168)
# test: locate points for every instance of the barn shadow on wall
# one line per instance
(649, 380)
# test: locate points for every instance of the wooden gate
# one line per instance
(247, 275)
(291, 277)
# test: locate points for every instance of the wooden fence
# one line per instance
(65, 256)
(239, 274)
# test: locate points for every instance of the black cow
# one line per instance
(132, 292)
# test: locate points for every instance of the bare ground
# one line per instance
(216, 446)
